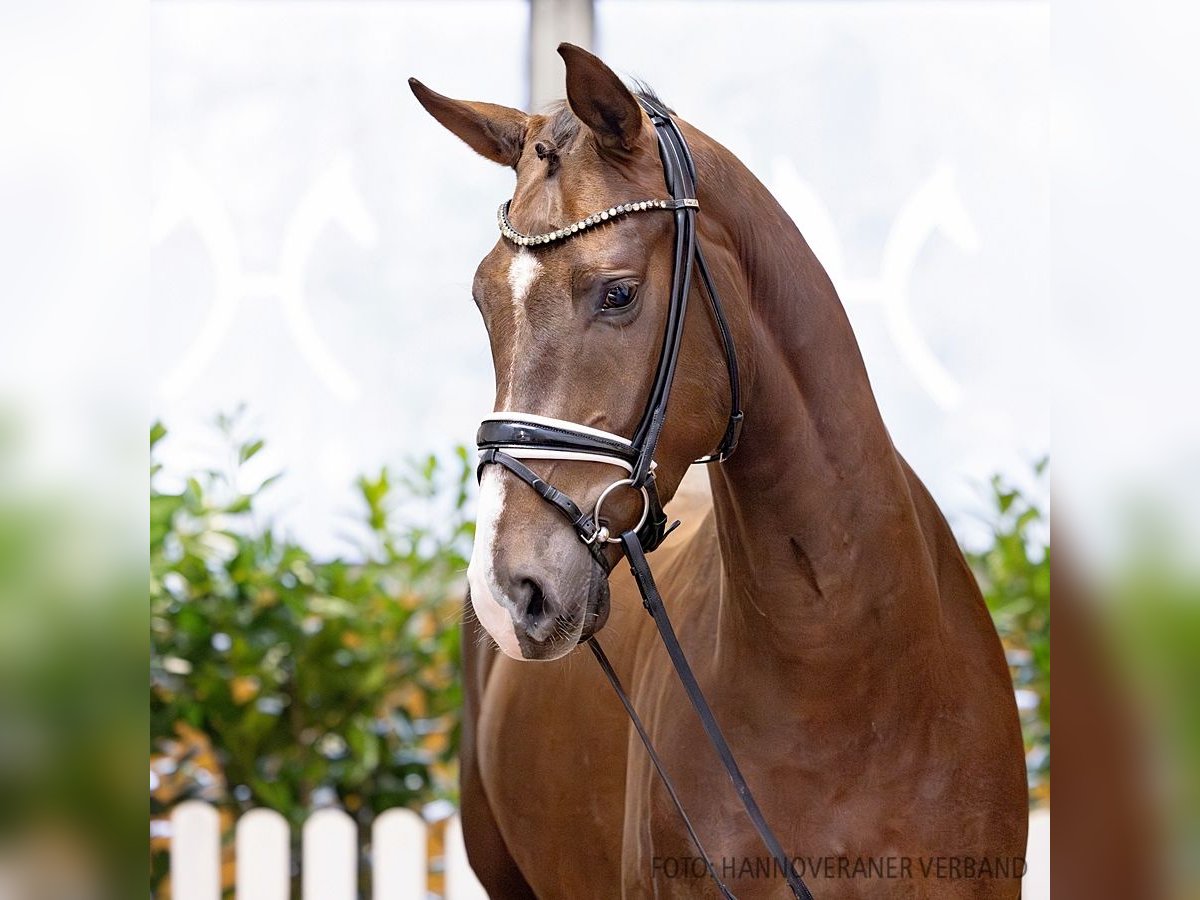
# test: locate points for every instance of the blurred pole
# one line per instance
(550, 23)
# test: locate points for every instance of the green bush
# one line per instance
(1014, 574)
(285, 681)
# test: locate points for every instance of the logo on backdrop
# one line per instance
(935, 207)
(332, 199)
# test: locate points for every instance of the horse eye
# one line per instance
(620, 295)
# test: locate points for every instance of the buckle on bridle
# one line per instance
(601, 534)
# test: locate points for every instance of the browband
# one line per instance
(549, 237)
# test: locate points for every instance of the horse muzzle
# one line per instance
(535, 587)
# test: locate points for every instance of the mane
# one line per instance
(643, 90)
(565, 126)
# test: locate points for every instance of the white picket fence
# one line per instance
(329, 861)
(329, 867)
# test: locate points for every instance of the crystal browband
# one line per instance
(527, 240)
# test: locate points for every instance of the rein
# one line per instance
(506, 438)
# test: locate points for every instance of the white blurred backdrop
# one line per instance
(315, 233)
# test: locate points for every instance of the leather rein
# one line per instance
(506, 438)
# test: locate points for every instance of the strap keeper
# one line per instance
(486, 457)
(733, 434)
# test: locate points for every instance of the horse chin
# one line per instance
(598, 608)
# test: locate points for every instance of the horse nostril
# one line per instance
(535, 606)
(536, 615)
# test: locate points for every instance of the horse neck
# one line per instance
(825, 561)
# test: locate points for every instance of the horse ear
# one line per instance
(601, 100)
(497, 132)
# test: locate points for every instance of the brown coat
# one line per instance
(817, 589)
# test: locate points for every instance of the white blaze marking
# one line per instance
(481, 574)
(523, 271)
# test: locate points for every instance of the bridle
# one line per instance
(506, 438)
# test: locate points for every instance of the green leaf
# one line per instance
(248, 450)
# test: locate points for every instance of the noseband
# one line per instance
(506, 438)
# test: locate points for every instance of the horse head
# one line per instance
(576, 328)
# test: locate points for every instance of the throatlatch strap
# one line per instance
(733, 429)
(654, 605)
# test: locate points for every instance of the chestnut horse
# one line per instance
(827, 610)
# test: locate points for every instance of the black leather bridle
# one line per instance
(506, 438)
